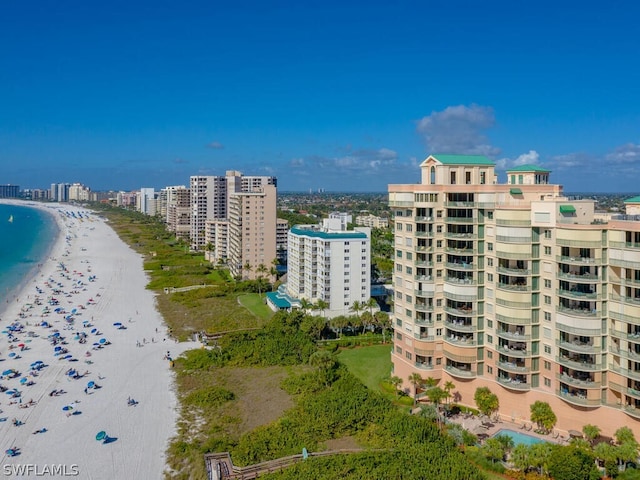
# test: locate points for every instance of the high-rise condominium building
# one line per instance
(329, 264)
(175, 204)
(210, 199)
(252, 232)
(517, 288)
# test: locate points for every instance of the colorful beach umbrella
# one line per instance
(102, 340)
(91, 384)
(67, 408)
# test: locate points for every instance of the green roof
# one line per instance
(632, 200)
(567, 209)
(462, 159)
(327, 235)
(277, 300)
(528, 168)
(515, 191)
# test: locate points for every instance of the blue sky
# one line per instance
(345, 96)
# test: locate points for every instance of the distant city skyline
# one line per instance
(335, 96)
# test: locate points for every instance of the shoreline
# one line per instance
(91, 271)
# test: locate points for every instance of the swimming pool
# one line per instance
(519, 438)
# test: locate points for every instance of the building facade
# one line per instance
(252, 232)
(517, 288)
(372, 221)
(176, 206)
(329, 264)
(9, 191)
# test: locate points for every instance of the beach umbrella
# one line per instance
(36, 363)
(117, 324)
(91, 384)
(57, 348)
(56, 335)
(67, 408)
(23, 380)
(71, 373)
(7, 372)
(11, 392)
(102, 340)
(94, 330)
(67, 356)
(21, 345)
(102, 435)
(12, 354)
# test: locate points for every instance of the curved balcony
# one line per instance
(424, 293)
(578, 312)
(460, 266)
(577, 346)
(632, 411)
(458, 281)
(576, 295)
(424, 366)
(460, 236)
(578, 260)
(514, 271)
(513, 320)
(513, 383)
(460, 372)
(423, 307)
(580, 399)
(513, 367)
(519, 350)
(423, 234)
(577, 382)
(459, 340)
(632, 374)
(577, 364)
(460, 312)
(460, 327)
(586, 278)
(513, 287)
(512, 335)
(461, 220)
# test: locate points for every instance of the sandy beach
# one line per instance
(86, 326)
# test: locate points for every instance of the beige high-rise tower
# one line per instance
(517, 288)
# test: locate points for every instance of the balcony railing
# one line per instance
(514, 352)
(578, 399)
(423, 337)
(460, 281)
(424, 234)
(577, 295)
(576, 364)
(424, 293)
(510, 239)
(578, 312)
(514, 255)
(513, 367)
(423, 308)
(460, 327)
(514, 288)
(576, 346)
(509, 382)
(513, 335)
(513, 223)
(457, 372)
(459, 311)
(460, 341)
(578, 260)
(586, 383)
(460, 236)
(513, 271)
(586, 278)
(424, 365)
(634, 374)
(460, 266)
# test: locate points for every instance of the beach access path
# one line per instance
(93, 273)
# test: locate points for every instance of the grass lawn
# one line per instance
(370, 364)
(255, 304)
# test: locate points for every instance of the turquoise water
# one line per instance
(24, 243)
(519, 438)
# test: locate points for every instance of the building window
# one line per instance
(489, 339)
(439, 258)
(490, 277)
(409, 228)
(547, 349)
(439, 332)
(483, 178)
(439, 228)
(490, 262)
(547, 365)
(547, 382)
(467, 178)
(453, 178)
(408, 355)
(547, 234)
(409, 256)
(398, 350)
(547, 300)
(490, 247)
(489, 354)
(490, 214)
(547, 316)
(398, 227)
(398, 336)
(408, 298)
(438, 302)
(547, 250)
(547, 283)
(409, 270)
(408, 313)
(398, 322)
(489, 369)
(439, 243)
(490, 323)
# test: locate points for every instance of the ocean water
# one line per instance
(24, 243)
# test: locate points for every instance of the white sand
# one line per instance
(90, 247)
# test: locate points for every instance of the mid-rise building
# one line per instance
(329, 264)
(372, 221)
(518, 288)
(282, 228)
(343, 217)
(9, 191)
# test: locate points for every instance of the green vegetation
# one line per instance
(371, 365)
(542, 414)
(256, 305)
(486, 401)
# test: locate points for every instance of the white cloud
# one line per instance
(628, 153)
(458, 129)
(296, 162)
(216, 145)
(530, 158)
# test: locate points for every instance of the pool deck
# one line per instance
(484, 428)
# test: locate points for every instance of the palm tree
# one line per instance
(416, 380)
(396, 382)
(448, 386)
(371, 304)
(305, 305)
(273, 271)
(260, 270)
(591, 432)
(322, 306)
(247, 268)
(356, 308)
(384, 322)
